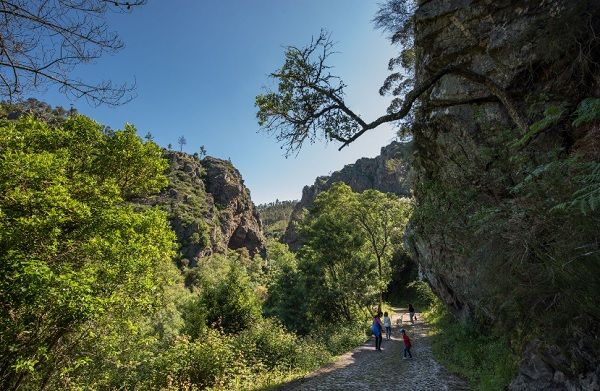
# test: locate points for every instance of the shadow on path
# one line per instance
(365, 368)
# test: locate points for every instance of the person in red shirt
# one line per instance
(407, 344)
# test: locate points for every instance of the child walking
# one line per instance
(407, 344)
(387, 323)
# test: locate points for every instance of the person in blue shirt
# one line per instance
(377, 328)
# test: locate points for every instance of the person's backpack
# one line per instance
(375, 328)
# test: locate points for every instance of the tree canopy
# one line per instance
(71, 249)
(350, 240)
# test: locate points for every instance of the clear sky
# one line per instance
(199, 64)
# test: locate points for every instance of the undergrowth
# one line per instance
(262, 357)
(484, 360)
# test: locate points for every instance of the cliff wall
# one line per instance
(497, 154)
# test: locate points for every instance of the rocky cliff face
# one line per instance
(387, 172)
(209, 207)
(238, 218)
(487, 135)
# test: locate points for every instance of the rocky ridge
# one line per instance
(209, 208)
(388, 172)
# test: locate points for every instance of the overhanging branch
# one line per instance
(413, 95)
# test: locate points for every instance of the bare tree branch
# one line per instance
(44, 41)
(309, 102)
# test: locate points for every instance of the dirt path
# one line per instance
(366, 369)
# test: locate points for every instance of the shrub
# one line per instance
(340, 338)
(483, 358)
(231, 303)
(268, 344)
(204, 362)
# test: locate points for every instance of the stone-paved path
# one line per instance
(366, 369)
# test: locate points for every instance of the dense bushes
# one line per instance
(230, 304)
(344, 266)
(73, 254)
(485, 360)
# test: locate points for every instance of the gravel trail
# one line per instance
(366, 369)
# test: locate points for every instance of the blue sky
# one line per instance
(199, 64)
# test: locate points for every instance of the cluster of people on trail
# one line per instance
(378, 327)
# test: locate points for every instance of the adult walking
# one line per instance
(387, 323)
(411, 312)
(377, 329)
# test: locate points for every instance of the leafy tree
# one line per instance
(43, 42)
(350, 240)
(340, 276)
(71, 250)
(230, 304)
(383, 219)
(202, 151)
(286, 294)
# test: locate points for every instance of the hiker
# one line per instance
(376, 328)
(407, 344)
(411, 312)
(387, 323)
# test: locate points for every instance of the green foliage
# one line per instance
(262, 355)
(73, 253)
(345, 263)
(587, 112)
(584, 183)
(286, 289)
(199, 363)
(425, 296)
(340, 274)
(91, 298)
(382, 218)
(587, 197)
(306, 103)
(342, 337)
(552, 116)
(190, 214)
(522, 225)
(137, 166)
(485, 360)
(270, 346)
(230, 304)
(275, 216)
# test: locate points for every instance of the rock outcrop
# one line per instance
(238, 218)
(209, 208)
(388, 172)
(509, 64)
